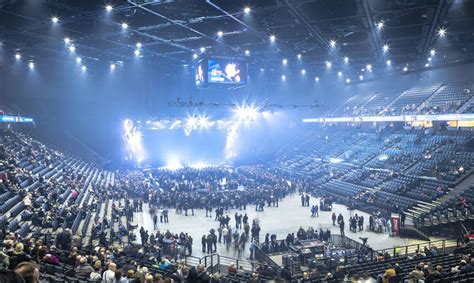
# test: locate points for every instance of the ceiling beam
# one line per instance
(314, 31)
(373, 33)
(442, 4)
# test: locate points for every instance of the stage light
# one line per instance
(284, 61)
(78, 60)
(328, 64)
(299, 56)
(348, 81)
(67, 40)
(137, 52)
(385, 48)
(339, 74)
(405, 69)
(108, 8)
(202, 49)
(247, 52)
(442, 32)
(346, 59)
(303, 71)
(138, 45)
(432, 52)
(247, 10)
(203, 122)
(195, 56)
(191, 122)
(246, 113)
(361, 78)
(389, 62)
(332, 43)
(72, 48)
(380, 25)
(124, 26)
(369, 67)
(83, 68)
(31, 65)
(427, 65)
(112, 67)
(55, 20)
(220, 33)
(272, 38)
(283, 78)
(316, 79)
(173, 164)
(429, 59)
(18, 56)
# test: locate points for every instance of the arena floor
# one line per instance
(286, 218)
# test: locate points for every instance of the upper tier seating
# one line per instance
(410, 100)
(448, 98)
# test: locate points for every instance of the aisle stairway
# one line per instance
(416, 211)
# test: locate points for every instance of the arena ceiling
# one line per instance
(175, 31)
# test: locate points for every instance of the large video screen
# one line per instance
(200, 79)
(226, 71)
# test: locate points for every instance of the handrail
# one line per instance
(262, 257)
(404, 251)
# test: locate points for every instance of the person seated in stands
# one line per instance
(389, 273)
(435, 275)
(329, 277)
(232, 268)
(417, 274)
(96, 274)
(418, 254)
(464, 267)
(51, 259)
(29, 272)
(339, 274)
(109, 275)
(17, 256)
(10, 276)
(202, 275)
(84, 269)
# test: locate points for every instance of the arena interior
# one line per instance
(236, 141)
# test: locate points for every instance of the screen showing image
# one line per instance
(199, 75)
(227, 71)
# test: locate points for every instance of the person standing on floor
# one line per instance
(341, 227)
(155, 221)
(203, 243)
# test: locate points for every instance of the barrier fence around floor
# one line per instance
(216, 263)
(442, 247)
(362, 252)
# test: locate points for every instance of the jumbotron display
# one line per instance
(226, 71)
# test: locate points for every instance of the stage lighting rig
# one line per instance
(265, 106)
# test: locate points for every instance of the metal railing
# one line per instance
(442, 246)
(264, 258)
(217, 263)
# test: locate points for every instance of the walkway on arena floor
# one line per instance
(286, 218)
